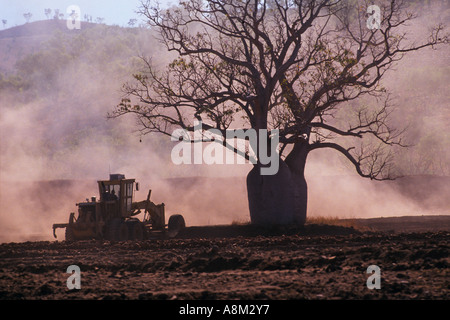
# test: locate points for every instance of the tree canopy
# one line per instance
(286, 65)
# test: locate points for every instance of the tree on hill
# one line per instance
(284, 65)
(56, 16)
(132, 22)
(48, 12)
(4, 21)
(28, 16)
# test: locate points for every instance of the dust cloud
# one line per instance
(56, 140)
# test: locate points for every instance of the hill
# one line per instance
(40, 28)
(19, 41)
(57, 91)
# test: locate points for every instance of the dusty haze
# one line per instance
(56, 141)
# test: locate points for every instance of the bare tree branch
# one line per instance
(287, 65)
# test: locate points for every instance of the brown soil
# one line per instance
(238, 262)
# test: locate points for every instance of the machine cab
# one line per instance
(117, 194)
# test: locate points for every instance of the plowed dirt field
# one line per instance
(239, 262)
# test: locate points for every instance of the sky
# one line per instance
(117, 12)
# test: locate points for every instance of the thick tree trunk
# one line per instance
(296, 162)
(280, 198)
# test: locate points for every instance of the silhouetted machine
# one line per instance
(113, 216)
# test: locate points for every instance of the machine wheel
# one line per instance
(70, 237)
(117, 231)
(176, 223)
(135, 230)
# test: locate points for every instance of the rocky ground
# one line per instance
(313, 262)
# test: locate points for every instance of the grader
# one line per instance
(113, 216)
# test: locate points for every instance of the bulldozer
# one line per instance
(113, 216)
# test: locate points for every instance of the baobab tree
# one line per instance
(27, 16)
(279, 65)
